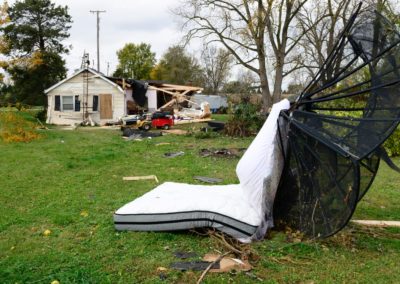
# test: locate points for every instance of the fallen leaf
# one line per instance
(325, 248)
(296, 240)
(161, 269)
(84, 213)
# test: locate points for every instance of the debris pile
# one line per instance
(222, 153)
(173, 155)
(134, 134)
(195, 113)
(208, 179)
(211, 262)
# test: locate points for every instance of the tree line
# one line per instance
(176, 66)
(276, 43)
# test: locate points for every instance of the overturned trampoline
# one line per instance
(312, 161)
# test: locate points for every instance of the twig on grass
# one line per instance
(221, 239)
(41, 124)
(243, 250)
(210, 266)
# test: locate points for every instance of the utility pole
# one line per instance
(97, 12)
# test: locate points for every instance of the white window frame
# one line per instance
(62, 104)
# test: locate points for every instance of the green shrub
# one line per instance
(206, 134)
(41, 115)
(244, 120)
(392, 145)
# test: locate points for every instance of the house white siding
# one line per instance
(75, 87)
(151, 100)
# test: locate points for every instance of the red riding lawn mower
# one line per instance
(145, 122)
(162, 120)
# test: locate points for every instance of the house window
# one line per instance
(67, 103)
(95, 103)
(77, 104)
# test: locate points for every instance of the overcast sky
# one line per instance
(136, 21)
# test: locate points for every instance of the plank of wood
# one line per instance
(167, 104)
(196, 120)
(377, 223)
(41, 124)
(163, 90)
(175, 131)
(181, 87)
(163, 143)
(141, 178)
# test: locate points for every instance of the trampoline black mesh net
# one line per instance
(332, 134)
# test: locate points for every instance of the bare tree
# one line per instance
(322, 22)
(260, 34)
(216, 67)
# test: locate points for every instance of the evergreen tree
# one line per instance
(34, 38)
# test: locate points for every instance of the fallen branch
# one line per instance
(211, 265)
(41, 124)
(221, 239)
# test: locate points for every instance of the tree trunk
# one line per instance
(265, 91)
(276, 95)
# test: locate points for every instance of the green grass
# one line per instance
(221, 117)
(49, 184)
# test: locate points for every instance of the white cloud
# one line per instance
(148, 21)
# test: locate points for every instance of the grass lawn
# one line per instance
(70, 182)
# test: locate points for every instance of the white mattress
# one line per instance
(235, 209)
(196, 205)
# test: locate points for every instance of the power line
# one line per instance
(97, 12)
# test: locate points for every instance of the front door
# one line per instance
(106, 107)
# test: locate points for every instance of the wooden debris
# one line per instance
(41, 124)
(377, 223)
(192, 121)
(210, 266)
(141, 178)
(175, 131)
(227, 263)
(208, 179)
(162, 144)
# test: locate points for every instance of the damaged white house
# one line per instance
(85, 96)
(90, 97)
